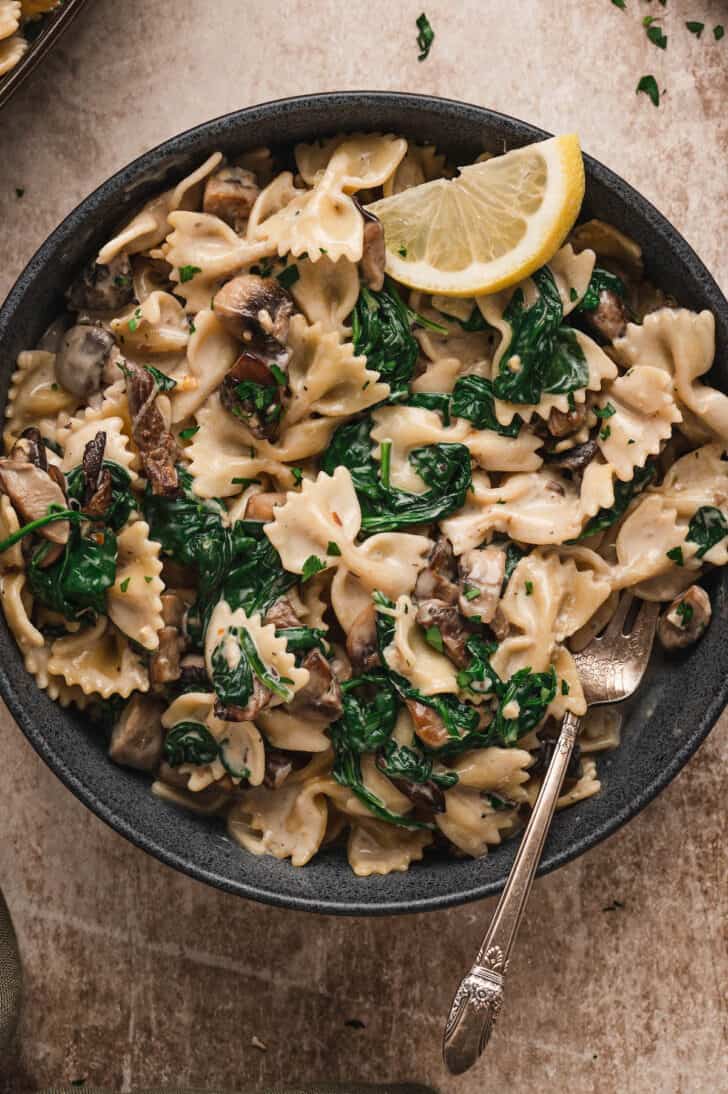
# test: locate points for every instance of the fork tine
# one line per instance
(616, 623)
(645, 626)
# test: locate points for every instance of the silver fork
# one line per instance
(610, 669)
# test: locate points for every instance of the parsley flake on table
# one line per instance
(718, 32)
(695, 27)
(425, 36)
(620, 4)
(648, 85)
(655, 32)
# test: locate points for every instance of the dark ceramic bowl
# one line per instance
(673, 711)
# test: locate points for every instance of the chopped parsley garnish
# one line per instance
(288, 277)
(605, 434)
(125, 584)
(564, 687)
(471, 592)
(425, 36)
(186, 273)
(312, 566)
(245, 482)
(191, 326)
(162, 381)
(654, 32)
(685, 611)
(189, 433)
(148, 578)
(707, 527)
(528, 585)
(19, 191)
(695, 27)
(573, 296)
(122, 281)
(134, 321)
(648, 85)
(402, 251)
(278, 375)
(433, 636)
(675, 555)
(718, 32)
(333, 550)
(605, 411)
(386, 462)
(297, 475)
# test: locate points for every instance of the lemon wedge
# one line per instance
(490, 227)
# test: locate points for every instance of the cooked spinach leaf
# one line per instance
(76, 583)
(177, 523)
(532, 691)
(473, 398)
(190, 743)
(302, 639)
(381, 331)
(235, 661)
(402, 762)
(600, 281)
(365, 725)
(541, 356)
(623, 494)
(707, 527)
(445, 468)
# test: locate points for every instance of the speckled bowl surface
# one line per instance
(679, 700)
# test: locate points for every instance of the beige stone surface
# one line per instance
(135, 974)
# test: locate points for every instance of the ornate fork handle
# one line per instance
(479, 997)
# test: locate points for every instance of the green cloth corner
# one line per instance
(11, 982)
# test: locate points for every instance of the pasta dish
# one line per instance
(314, 548)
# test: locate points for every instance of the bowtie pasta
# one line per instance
(316, 552)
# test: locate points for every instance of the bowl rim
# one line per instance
(40, 740)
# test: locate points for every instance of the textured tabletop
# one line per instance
(136, 975)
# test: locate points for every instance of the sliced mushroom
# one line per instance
(31, 492)
(259, 700)
(137, 738)
(361, 641)
(82, 358)
(30, 448)
(278, 766)
(260, 409)
(563, 423)
(439, 578)
(255, 309)
(102, 288)
(685, 620)
(157, 446)
(427, 796)
(231, 194)
(193, 672)
(481, 581)
(576, 458)
(165, 663)
(609, 319)
(282, 614)
(449, 622)
(373, 256)
(429, 726)
(261, 506)
(98, 491)
(321, 696)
